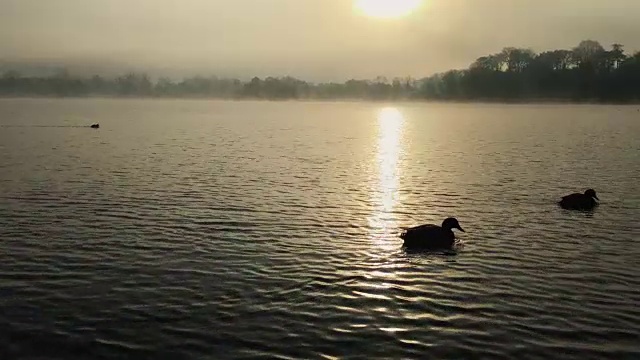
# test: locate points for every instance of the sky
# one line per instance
(316, 40)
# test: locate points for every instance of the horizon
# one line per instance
(30, 68)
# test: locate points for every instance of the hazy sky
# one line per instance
(312, 39)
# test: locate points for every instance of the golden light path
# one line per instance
(386, 9)
(389, 149)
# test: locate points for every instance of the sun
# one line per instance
(387, 9)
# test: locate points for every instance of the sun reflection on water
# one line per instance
(390, 128)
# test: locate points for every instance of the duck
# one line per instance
(95, 126)
(577, 201)
(430, 236)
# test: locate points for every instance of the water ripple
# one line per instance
(195, 229)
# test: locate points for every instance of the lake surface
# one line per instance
(212, 230)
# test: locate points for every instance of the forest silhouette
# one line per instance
(587, 72)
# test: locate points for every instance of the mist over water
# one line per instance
(194, 229)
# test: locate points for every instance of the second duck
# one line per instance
(577, 201)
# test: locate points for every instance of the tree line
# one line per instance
(587, 72)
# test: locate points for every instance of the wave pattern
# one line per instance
(193, 229)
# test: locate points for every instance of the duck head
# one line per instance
(451, 223)
(591, 193)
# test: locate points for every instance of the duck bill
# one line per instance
(595, 197)
(460, 228)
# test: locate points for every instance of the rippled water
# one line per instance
(197, 229)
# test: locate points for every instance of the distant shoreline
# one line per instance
(337, 100)
(586, 74)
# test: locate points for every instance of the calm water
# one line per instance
(210, 230)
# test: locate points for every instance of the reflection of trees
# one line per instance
(586, 72)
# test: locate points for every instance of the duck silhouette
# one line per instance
(577, 201)
(430, 236)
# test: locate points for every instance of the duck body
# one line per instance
(577, 201)
(95, 126)
(430, 236)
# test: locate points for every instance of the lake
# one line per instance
(194, 229)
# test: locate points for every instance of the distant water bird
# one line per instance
(95, 126)
(430, 236)
(577, 201)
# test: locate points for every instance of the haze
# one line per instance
(311, 39)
